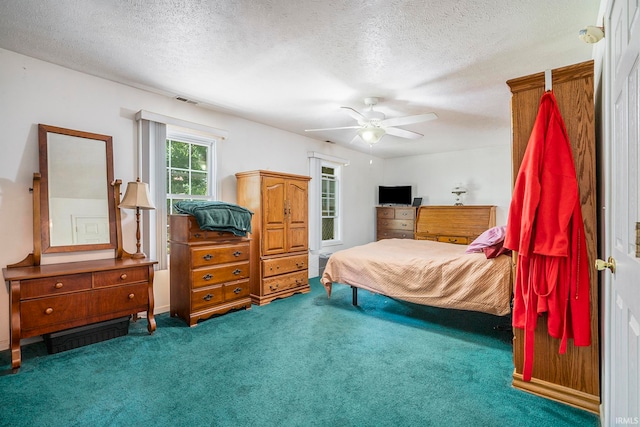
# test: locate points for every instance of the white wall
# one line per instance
(33, 91)
(484, 172)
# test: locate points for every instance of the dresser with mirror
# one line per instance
(75, 212)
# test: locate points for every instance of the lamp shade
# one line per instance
(137, 196)
(371, 134)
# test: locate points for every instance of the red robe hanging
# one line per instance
(545, 227)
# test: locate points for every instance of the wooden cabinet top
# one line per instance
(31, 272)
(272, 174)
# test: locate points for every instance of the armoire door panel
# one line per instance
(298, 239)
(274, 201)
(273, 241)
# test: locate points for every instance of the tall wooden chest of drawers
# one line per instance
(395, 222)
(209, 271)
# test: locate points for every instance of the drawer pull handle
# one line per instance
(300, 264)
(207, 276)
(237, 271)
(220, 233)
(453, 240)
(207, 257)
(58, 285)
(274, 286)
(237, 253)
(237, 290)
(207, 297)
(132, 296)
(48, 310)
(123, 276)
(197, 235)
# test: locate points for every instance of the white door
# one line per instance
(621, 394)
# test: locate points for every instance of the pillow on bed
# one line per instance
(487, 239)
(495, 250)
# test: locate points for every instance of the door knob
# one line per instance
(610, 263)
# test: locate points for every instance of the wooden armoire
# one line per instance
(574, 377)
(279, 261)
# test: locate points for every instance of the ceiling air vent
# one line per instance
(188, 101)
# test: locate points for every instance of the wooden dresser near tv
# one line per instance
(395, 222)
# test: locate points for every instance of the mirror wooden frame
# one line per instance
(44, 131)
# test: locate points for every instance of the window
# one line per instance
(189, 169)
(330, 202)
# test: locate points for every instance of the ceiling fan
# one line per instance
(372, 125)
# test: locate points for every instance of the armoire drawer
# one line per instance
(275, 266)
(284, 282)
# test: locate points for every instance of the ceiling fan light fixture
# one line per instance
(371, 134)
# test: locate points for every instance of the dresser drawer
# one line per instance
(220, 254)
(275, 266)
(209, 235)
(388, 213)
(394, 234)
(206, 297)
(224, 273)
(395, 224)
(186, 228)
(129, 299)
(396, 213)
(234, 291)
(405, 213)
(284, 282)
(118, 277)
(50, 311)
(454, 239)
(33, 288)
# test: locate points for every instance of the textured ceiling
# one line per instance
(292, 64)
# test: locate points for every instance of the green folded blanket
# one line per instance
(218, 216)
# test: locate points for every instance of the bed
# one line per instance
(433, 268)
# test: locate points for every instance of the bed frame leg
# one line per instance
(354, 295)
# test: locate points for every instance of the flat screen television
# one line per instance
(394, 195)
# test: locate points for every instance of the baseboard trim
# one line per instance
(562, 394)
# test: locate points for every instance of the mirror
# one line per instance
(77, 205)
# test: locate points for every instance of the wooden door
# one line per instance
(621, 393)
(574, 377)
(297, 216)
(274, 215)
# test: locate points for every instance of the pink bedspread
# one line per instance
(425, 272)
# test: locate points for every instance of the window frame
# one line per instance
(337, 223)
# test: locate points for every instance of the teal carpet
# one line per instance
(301, 361)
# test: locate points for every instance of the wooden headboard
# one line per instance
(454, 224)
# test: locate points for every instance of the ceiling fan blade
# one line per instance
(343, 127)
(402, 133)
(355, 114)
(407, 120)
